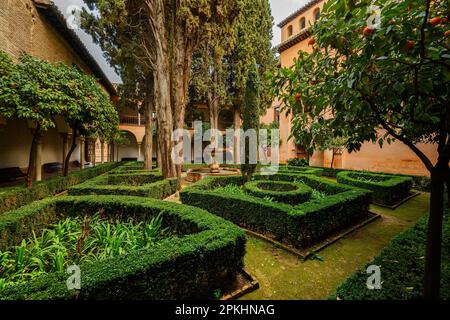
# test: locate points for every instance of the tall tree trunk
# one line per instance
(432, 281)
(148, 147)
(162, 85)
(183, 58)
(448, 187)
(69, 154)
(32, 157)
(165, 124)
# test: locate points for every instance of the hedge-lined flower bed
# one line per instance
(15, 197)
(387, 189)
(75, 240)
(303, 170)
(280, 191)
(205, 253)
(402, 268)
(300, 226)
(149, 184)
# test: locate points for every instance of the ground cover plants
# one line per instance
(76, 240)
(143, 184)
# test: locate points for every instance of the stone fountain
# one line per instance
(214, 169)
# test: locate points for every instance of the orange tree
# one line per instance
(379, 78)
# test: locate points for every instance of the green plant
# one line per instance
(402, 264)
(15, 197)
(301, 225)
(298, 162)
(318, 195)
(204, 253)
(231, 188)
(76, 240)
(303, 170)
(393, 77)
(142, 184)
(387, 189)
(279, 191)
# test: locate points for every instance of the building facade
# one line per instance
(38, 28)
(394, 158)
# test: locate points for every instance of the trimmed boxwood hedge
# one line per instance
(281, 191)
(303, 170)
(387, 189)
(207, 252)
(421, 183)
(15, 197)
(299, 226)
(149, 184)
(402, 268)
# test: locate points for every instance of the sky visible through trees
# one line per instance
(280, 10)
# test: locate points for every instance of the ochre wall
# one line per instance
(393, 158)
(23, 29)
(295, 23)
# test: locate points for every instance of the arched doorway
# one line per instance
(128, 147)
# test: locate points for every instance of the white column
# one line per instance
(139, 151)
(82, 142)
(102, 146)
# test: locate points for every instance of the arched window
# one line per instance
(316, 15)
(290, 31)
(302, 23)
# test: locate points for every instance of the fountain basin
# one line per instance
(194, 175)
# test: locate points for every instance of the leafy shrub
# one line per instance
(300, 226)
(15, 197)
(298, 162)
(402, 268)
(75, 240)
(302, 170)
(207, 251)
(421, 183)
(386, 189)
(280, 191)
(150, 184)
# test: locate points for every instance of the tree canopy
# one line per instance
(39, 91)
(378, 78)
(165, 33)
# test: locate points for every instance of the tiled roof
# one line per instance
(306, 33)
(51, 12)
(298, 12)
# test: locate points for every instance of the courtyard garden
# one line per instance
(293, 235)
(328, 226)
